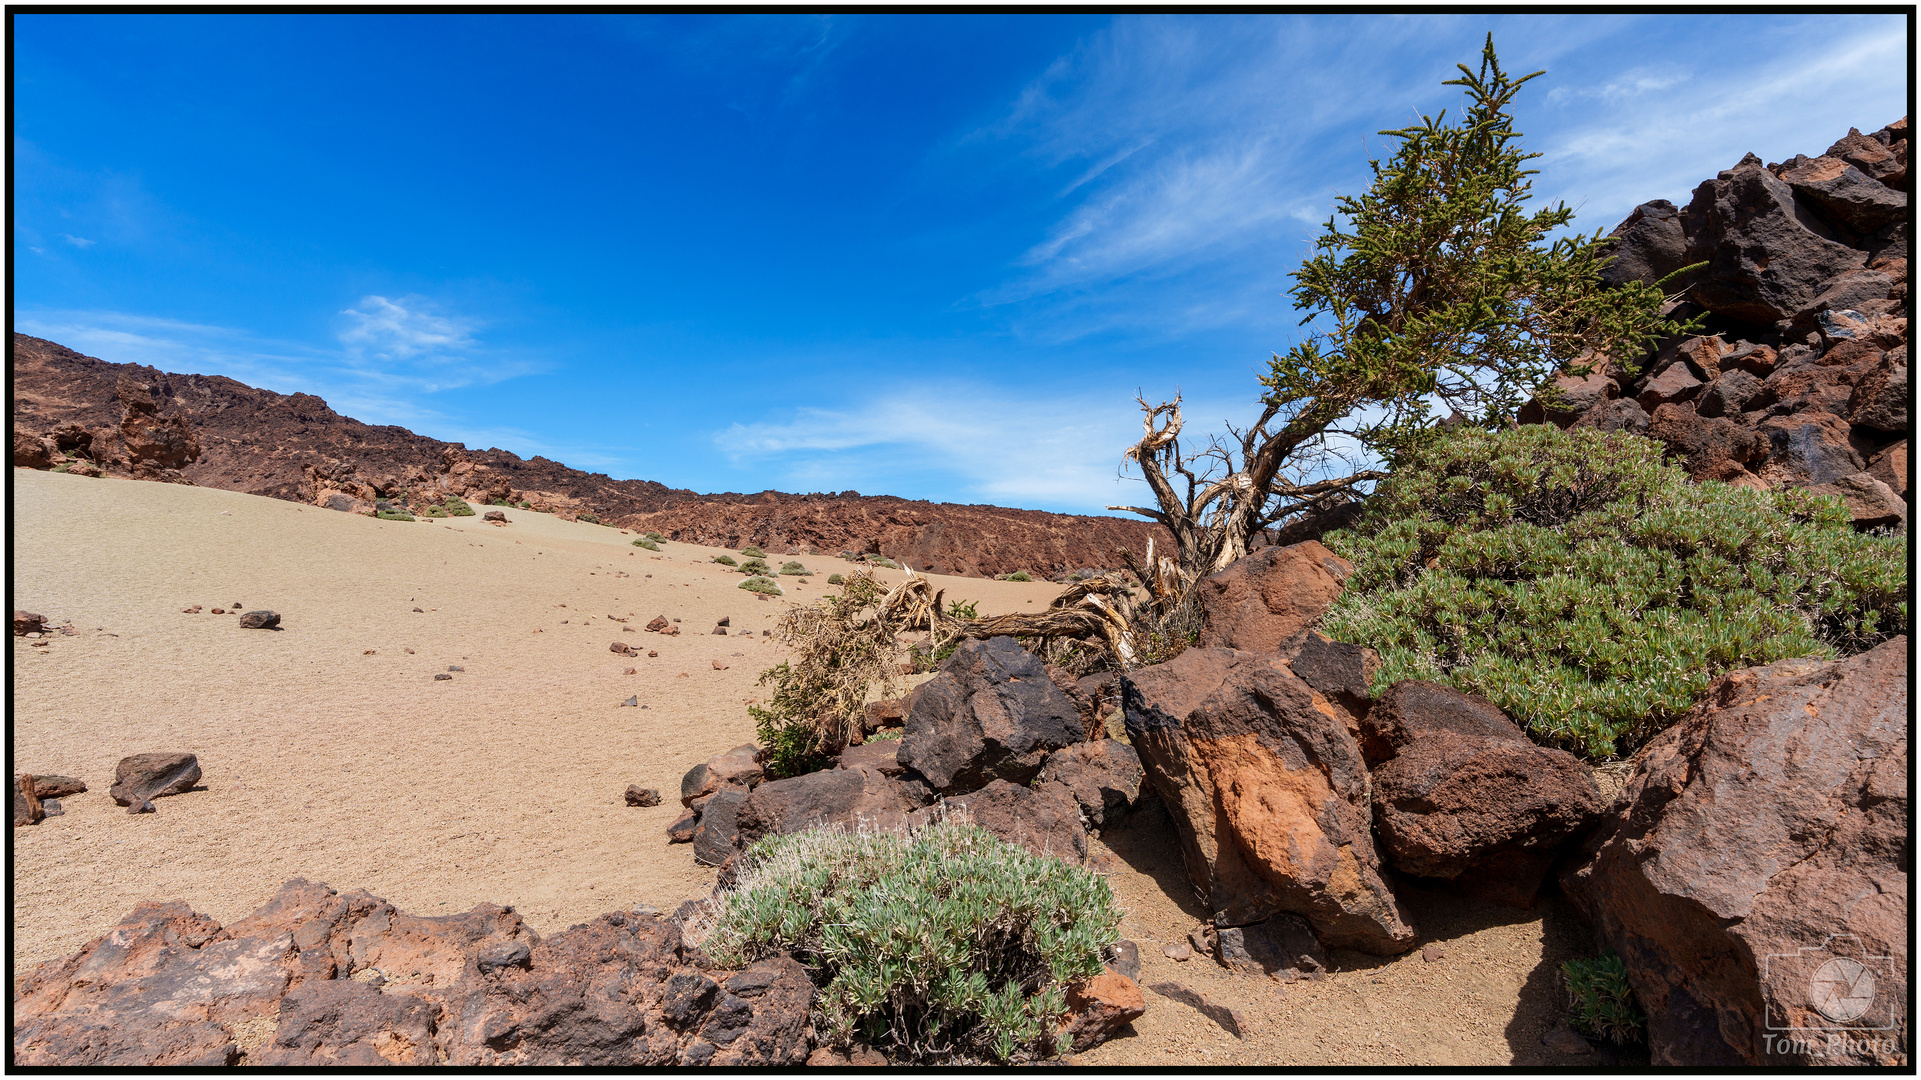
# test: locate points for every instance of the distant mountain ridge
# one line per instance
(213, 431)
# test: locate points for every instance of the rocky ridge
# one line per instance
(95, 417)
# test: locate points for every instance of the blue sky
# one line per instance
(932, 256)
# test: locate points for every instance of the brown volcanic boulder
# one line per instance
(1871, 503)
(1847, 195)
(1103, 774)
(1463, 794)
(718, 834)
(1761, 836)
(28, 622)
(992, 713)
(739, 767)
(143, 777)
(1044, 819)
(1099, 1007)
(1768, 258)
(1269, 792)
(1267, 597)
(853, 798)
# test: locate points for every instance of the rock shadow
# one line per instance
(1147, 841)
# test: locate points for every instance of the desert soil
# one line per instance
(330, 752)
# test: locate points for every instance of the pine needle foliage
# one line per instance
(943, 945)
(1442, 289)
(1591, 590)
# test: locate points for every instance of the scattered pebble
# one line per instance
(1181, 952)
(640, 796)
(442, 676)
(216, 611)
(631, 671)
(651, 652)
(1431, 953)
(718, 666)
(368, 652)
(632, 702)
(455, 667)
(409, 652)
(223, 611)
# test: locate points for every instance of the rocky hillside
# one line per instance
(90, 415)
(1800, 376)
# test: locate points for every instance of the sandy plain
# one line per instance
(330, 752)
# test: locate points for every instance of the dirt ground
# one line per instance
(330, 752)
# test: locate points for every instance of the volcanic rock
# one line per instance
(1871, 503)
(27, 622)
(1045, 819)
(717, 835)
(260, 620)
(640, 796)
(1283, 946)
(739, 767)
(1104, 776)
(991, 713)
(143, 777)
(1269, 793)
(1461, 793)
(1099, 1007)
(853, 798)
(1270, 595)
(1764, 836)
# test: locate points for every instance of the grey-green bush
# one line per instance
(756, 566)
(1018, 575)
(944, 945)
(761, 584)
(888, 563)
(1600, 1002)
(753, 552)
(394, 515)
(1590, 589)
(836, 579)
(725, 560)
(647, 543)
(795, 569)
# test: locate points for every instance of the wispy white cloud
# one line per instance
(80, 242)
(402, 329)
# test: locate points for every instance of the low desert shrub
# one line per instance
(839, 652)
(393, 515)
(655, 537)
(1590, 589)
(836, 579)
(644, 542)
(589, 519)
(794, 569)
(762, 584)
(725, 560)
(433, 511)
(1600, 1003)
(753, 553)
(879, 561)
(455, 506)
(959, 609)
(756, 566)
(943, 945)
(1018, 575)
(499, 502)
(891, 734)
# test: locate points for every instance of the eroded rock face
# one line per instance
(317, 977)
(1461, 793)
(1762, 835)
(1268, 790)
(1269, 596)
(1104, 775)
(992, 713)
(1044, 819)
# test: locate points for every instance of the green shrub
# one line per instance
(756, 566)
(762, 584)
(753, 553)
(644, 542)
(1590, 589)
(836, 579)
(499, 502)
(393, 515)
(1018, 575)
(892, 734)
(588, 518)
(879, 561)
(655, 537)
(794, 569)
(947, 944)
(433, 511)
(525, 505)
(1600, 1002)
(840, 652)
(725, 560)
(959, 610)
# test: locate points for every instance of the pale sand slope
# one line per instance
(505, 784)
